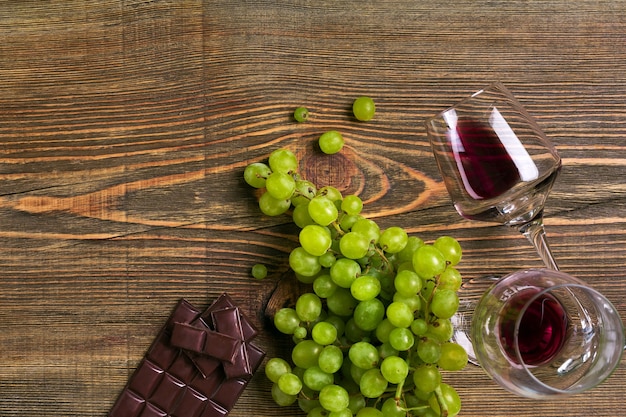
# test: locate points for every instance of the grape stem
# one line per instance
(441, 401)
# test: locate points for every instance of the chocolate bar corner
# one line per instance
(198, 365)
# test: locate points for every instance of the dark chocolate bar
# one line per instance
(181, 376)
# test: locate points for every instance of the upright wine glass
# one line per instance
(496, 163)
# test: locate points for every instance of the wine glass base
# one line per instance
(469, 294)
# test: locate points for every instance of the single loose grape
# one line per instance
(334, 398)
(364, 108)
(259, 271)
(301, 114)
(256, 173)
(331, 142)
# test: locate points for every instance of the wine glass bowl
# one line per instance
(540, 333)
(496, 162)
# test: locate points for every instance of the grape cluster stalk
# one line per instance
(372, 336)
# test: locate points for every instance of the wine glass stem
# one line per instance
(536, 234)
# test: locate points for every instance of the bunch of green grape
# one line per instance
(372, 337)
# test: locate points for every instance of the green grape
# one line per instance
(363, 108)
(317, 412)
(407, 283)
(354, 245)
(331, 142)
(450, 399)
(324, 333)
(401, 339)
(289, 383)
(419, 327)
(450, 279)
(308, 404)
(414, 301)
(331, 193)
(412, 245)
(280, 185)
(440, 330)
(450, 248)
(322, 210)
(444, 303)
(368, 228)
(341, 302)
(373, 384)
(338, 322)
(453, 357)
(393, 408)
(283, 160)
(301, 114)
(347, 221)
(330, 359)
(259, 271)
(428, 350)
(426, 378)
(281, 398)
(343, 413)
(365, 287)
(383, 330)
(334, 398)
(300, 333)
(316, 379)
(306, 354)
(352, 205)
(327, 259)
(308, 307)
(393, 239)
(356, 373)
(303, 263)
(357, 401)
(364, 355)
(275, 367)
(369, 313)
(385, 350)
(286, 320)
(344, 272)
(324, 286)
(428, 262)
(304, 192)
(354, 333)
(315, 239)
(301, 216)
(394, 369)
(400, 314)
(369, 412)
(271, 206)
(256, 173)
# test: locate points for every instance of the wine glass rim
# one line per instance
(577, 285)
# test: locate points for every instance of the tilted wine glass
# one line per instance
(499, 166)
(496, 163)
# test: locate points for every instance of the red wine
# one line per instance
(542, 329)
(487, 168)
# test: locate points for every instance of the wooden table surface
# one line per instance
(125, 126)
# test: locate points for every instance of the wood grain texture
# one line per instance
(125, 126)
